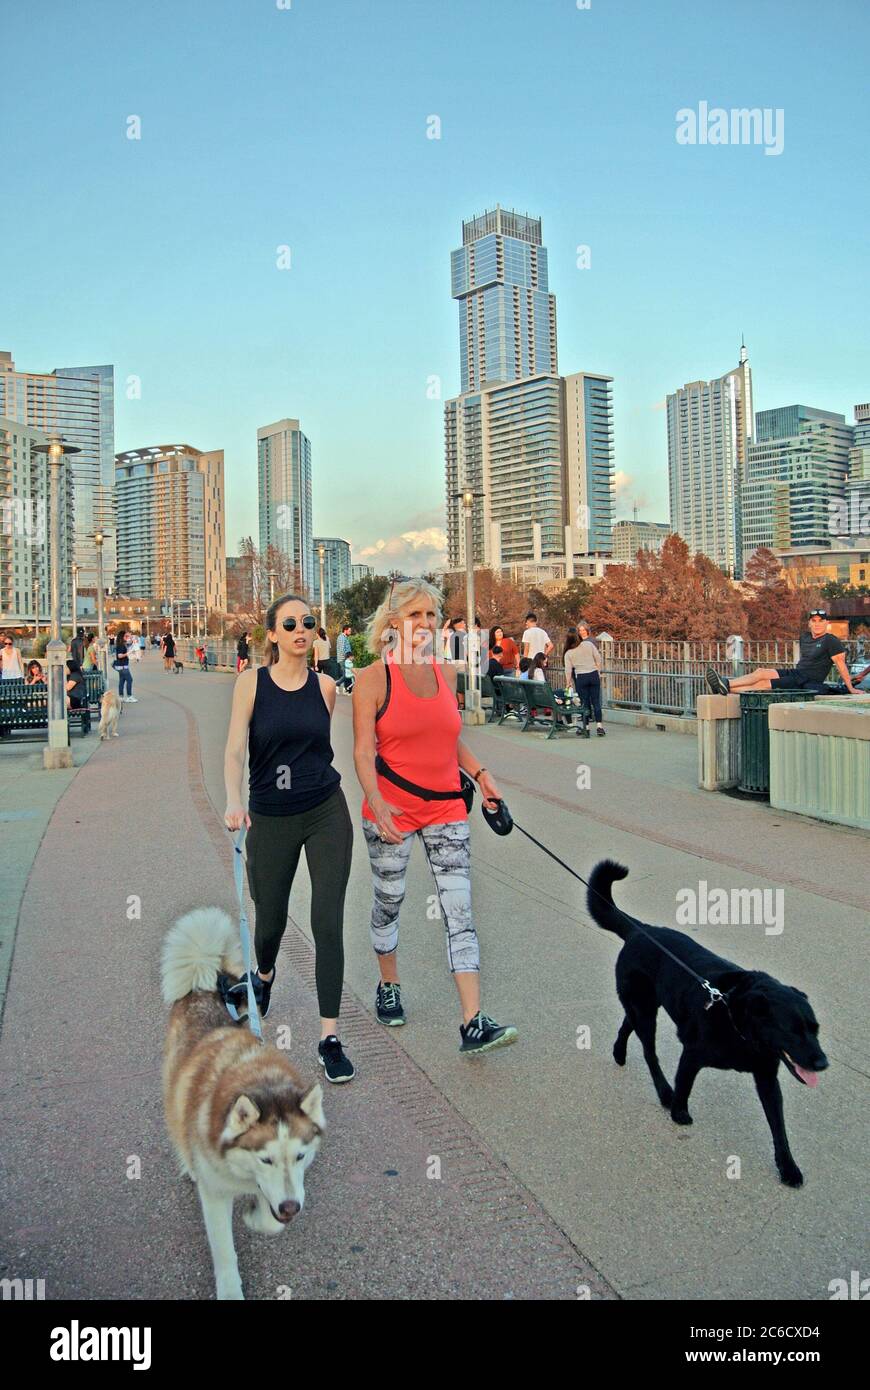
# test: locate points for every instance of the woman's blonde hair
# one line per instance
(398, 596)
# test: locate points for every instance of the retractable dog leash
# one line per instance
(244, 930)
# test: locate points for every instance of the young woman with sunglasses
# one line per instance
(282, 711)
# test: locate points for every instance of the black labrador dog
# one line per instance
(761, 1024)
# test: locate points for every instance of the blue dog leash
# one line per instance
(253, 1012)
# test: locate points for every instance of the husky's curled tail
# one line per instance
(599, 898)
(199, 945)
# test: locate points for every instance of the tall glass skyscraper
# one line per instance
(536, 448)
(78, 403)
(795, 470)
(284, 488)
(507, 317)
(710, 429)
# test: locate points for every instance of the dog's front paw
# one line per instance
(790, 1174)
(619, 1055)
(680, 1117)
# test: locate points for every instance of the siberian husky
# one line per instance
(242, 1121)
(110, 710)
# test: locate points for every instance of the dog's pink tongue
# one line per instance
(810, 1078)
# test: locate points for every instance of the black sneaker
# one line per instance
(331, 1057)
(388, 1005)
(601, 732)
(481, 1034)
(718, 684)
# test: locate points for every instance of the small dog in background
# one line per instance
(110, 713)
(178, 668)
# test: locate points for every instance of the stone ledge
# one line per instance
(718, 707)
(813, 718)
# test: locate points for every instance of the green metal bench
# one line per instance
(27, 709)
(535, 703)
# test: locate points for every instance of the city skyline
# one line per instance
(365, 191)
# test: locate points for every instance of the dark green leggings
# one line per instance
(273, 847)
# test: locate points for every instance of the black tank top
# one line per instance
(289, 752)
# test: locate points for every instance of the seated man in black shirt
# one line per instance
(818, 649)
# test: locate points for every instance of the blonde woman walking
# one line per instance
(408, 755)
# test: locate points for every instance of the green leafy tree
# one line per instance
(357, 603)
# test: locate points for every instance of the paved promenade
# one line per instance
(559, 1171)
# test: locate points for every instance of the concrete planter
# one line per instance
(820, 759)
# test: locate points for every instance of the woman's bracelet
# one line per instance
(478, 774)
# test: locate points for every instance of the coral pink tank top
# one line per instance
(417, 737)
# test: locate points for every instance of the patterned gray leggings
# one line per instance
(447, 849)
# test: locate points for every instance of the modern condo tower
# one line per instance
(536, 448)
(710, 429)
(796, 469)
(284, 488)
(170, 504)
(507, 317)
(77, 403)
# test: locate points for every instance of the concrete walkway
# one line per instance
(547, 1148)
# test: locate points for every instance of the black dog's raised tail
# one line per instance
(599, 897)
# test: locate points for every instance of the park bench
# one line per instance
(536, 704)
(26, 708)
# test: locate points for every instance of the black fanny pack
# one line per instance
(465, 793)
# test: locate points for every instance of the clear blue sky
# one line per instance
(306, 127)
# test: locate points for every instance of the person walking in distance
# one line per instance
(122, 666)
(407, 726)
(10, 661)
(321, 649)
(167, 644)
(583, 669)
(243, 653)
(344, 649)
(282, 712)
(535, 641)
(77, 647)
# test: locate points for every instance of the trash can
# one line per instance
(754, 736)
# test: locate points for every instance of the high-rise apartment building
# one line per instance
(77, 403)
(631, 536)
(855, 517)
(535, 448)
(25, 527)
(284, 490)
(170, 507)
(336, 567)
(358, 572)
(507, 320)
(710, 429)
(795, 471)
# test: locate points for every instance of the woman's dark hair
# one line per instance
(525, 663)
(572, 640)
(497, 627)
(34, 664)
(321, 634)
(271, 622)
(73, 667)
(538, 662)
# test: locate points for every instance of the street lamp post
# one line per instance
(102, 648)
(321, 551)
(58, 753)
(473, 710)
(75, 597)
(36, 610)
(271, 586)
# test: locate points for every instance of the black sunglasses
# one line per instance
(818, 613)
(309, 621)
